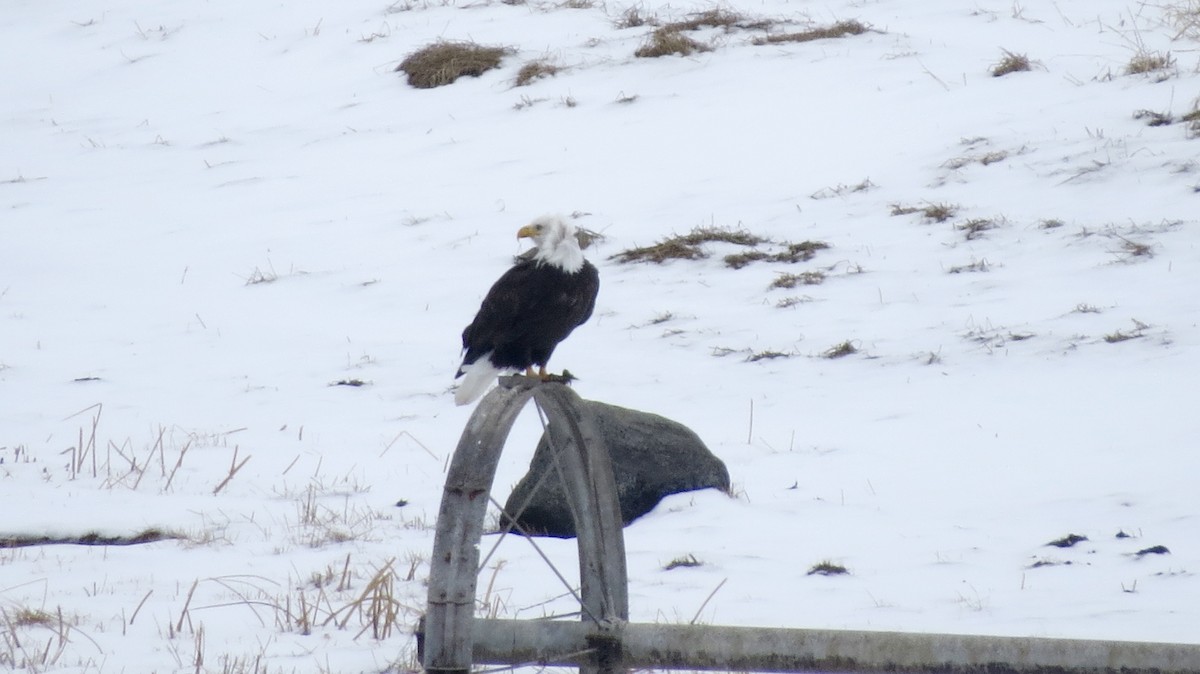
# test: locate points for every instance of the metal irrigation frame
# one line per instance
(451, 639)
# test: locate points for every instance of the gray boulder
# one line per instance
(652, 457)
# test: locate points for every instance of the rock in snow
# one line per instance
(652, 457)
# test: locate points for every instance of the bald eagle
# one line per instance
(529, 310)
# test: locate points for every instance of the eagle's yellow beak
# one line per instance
(527, 232)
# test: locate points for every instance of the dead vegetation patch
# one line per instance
(1046, 561)
(932, 212)
(839, 190)
(1067, 541)
(1153, 550)
(975, 266)
(1192, 119)
(739, 260)
(807, 278)
(1152, 63)
(1184, 17)
(791, 253)
(1132, 249)
(1129, 250)
(535, 70)
(842, 350)
(1139, 330)
(1120, 336)
(666, 41)
(444, 62)
(352, 383)
(633, 18)
(1153, 118)
(1010, 63)
(827, 568)
(587, 237)
(839, 29)
(766, 355)
(788, 302)
(975, 227)
(985, 159)
(712, 18)
(688, 246)
(90, 538)
(688, 561)
(669, 38)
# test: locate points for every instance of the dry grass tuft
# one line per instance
(977, 265)
(26, 651)
(587, 237)
(975, 227)
(670, 39)
(712, 18)
(839, 29)
(766, 355)
(808, 278)
(939, 212)
(801, 252)
(686, 562)
(791, 253)
(1192, 119)
(444, 62)
(827, 568)
(1139, 330)
(739, 260)
(1184, 16)
(1070, 540)
(667, 249)
(1153, 118)
(1011, 63)
(1146, 62)
(842, 350)
(633, 18)
(1131, 249)
(788, 302)
(739, 237)
(839, 190)
(535, 70)
(23, 616)
(990, 158)
(931, 212)
(688, 246)
(666, 41)
(377, 606)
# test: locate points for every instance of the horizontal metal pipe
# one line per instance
(711, 647)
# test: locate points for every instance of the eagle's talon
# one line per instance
(542, 376)
(565, 378)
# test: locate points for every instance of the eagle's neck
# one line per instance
(563, 253)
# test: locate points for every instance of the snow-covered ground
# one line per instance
(215, 212)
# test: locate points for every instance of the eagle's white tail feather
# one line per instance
(477, 377)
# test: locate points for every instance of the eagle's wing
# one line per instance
(501, 316)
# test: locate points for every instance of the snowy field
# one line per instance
(216, 215)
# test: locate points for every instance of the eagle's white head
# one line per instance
(556, 242)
